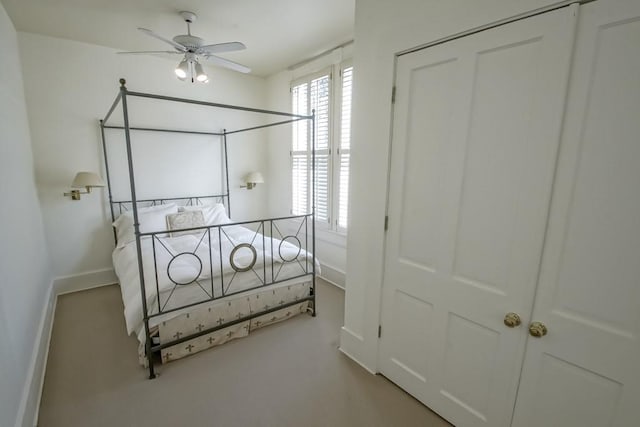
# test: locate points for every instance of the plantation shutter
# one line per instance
(332, 146)
(300, 167)
(308, 96)
(319, 100)
(344, 149)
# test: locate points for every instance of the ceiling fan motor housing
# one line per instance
(190, 42)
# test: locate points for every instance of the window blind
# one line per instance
(345, 145)
(332, 106)
(300, 167)
(319, 100)
(308, 96)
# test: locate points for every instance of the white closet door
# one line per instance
(476, 129)
(586, 370)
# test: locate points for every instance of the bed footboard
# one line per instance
(216, 283)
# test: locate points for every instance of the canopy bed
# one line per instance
(190, 277)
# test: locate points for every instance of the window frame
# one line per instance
(334, 151)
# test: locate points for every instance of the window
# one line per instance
(332, 137)
(343, 149)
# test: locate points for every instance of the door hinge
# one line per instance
(393, 95)
(379, 331)
(386, 223)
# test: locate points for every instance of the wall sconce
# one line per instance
(252, 179)
(86, 180)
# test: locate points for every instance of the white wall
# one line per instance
(330, 246)
(25, 278)
(382, 29)
(69, 86)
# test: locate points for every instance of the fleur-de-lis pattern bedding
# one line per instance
(216, 313)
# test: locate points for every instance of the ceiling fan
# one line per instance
(194, 50)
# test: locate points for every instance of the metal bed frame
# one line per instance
(219, 231)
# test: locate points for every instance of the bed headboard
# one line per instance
(118, 207)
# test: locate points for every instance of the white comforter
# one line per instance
(187, 267)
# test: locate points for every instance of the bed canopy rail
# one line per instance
(265, 226)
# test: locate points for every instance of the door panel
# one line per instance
(468, 360)
(585, 371)
(420, 203)
(410, 334)
(498, 148)
(563, 403)
(476, 129)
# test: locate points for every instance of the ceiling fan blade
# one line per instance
(222, 47)
(227, 64)
(178, 46)
(149, 52)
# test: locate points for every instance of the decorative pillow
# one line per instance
(187, 219)
(213, 214)
(151, 218)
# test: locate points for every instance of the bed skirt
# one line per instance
(208, 315)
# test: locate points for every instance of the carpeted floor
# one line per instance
(288, 374)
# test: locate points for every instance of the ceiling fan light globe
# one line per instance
(201, 76)
(182, 69)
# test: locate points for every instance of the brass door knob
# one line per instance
(512, 320)
(537, 329)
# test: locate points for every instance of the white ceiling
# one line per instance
(277, 33)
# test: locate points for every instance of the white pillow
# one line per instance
(213, 214)
(152, 218)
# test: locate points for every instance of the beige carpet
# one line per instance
(288, 374)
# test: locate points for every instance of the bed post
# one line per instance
(106, 167)
(313, 205)
(136, 226)
(226, 171)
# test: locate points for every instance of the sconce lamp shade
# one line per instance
(87, 180)
(254, 178)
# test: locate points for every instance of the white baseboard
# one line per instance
(332, 275)
(349, 341)
(30, 402)
(32, 393)
(356, 360)
(83, 281)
